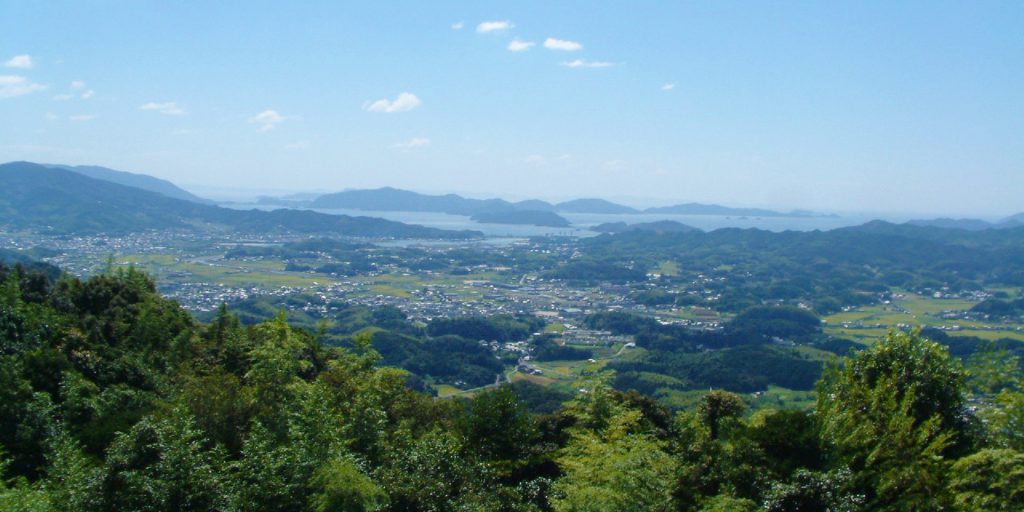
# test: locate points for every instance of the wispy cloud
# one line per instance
(266, 120)
(536, 160)
(562, 45)
(580, 63)
(20, 62)
(299, 144)
(493, 26)
(14, 85)
(668, 87)
(457, 25)
(413, 143)
(77, 84)
(82, 118)
(404, 102)
(88, 94)
(63, 97)
(520, 46)
(170, 108)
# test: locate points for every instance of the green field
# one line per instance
(268, 274)
(914, 310)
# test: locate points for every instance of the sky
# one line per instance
(868, 106)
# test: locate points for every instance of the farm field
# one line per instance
(910, 310)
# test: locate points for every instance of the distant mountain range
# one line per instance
(55, 200)
(130, 179)
(714, 209)
(971, 224)
(392, 199)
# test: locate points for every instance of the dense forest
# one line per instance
(115, 398)
(827, 270)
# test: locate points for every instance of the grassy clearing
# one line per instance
(989, 335)
(445, 390)
(536, 379)
(668, 268)
(556, 328)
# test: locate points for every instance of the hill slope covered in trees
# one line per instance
(52, 200)
(114, 398)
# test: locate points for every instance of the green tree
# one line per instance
(892, 414)
(340, 486)
(500, 429)
(989, 481)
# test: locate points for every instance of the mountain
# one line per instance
(971, 224)
(714, 209)
(393, 199)
(661, 226)
(523, 217)
(534, 204)
(592, 206)
(55, 200)
(1013, 220)
(947, 223)
(133, 180)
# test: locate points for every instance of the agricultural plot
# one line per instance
(910, 310)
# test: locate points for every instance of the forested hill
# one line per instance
(874, 256)
(134, 180)
(46, 199)
(113, 398)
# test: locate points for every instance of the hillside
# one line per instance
(392, 199)
(661, 226)
(523, 217)
(714, 209)
(47, 199)
(592, 206)
(130, 179)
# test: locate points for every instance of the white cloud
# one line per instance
(20, 62)
(403, 103)
(77, 84)
(299, 144)
(82, 118)
(266, 120)
(580, 63)
(413, 143)
(520, 46)
(457, 25)
(88, 94)
(170, 108)
(63, 97)
(14, 85)
(561, 44)
(668, 87)
(536, 160)
(493, 26)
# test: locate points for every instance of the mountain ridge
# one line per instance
(55, 200)
(395, 199)
(136, 180)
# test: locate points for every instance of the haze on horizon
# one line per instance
(908, 107)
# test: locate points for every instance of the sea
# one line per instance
(582, 222)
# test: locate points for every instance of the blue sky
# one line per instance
(856, 106)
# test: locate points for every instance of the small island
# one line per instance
(522, 217)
